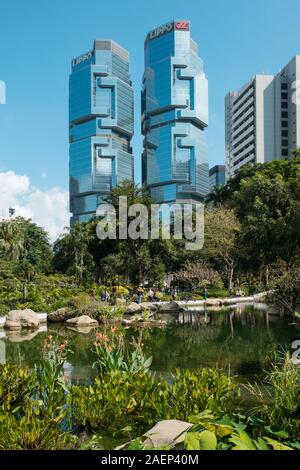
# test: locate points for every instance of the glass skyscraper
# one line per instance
(174, 116)
(101, 126)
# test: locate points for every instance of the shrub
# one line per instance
(32, 433)
(279, 402)
(4, 310)
(217, 294)
(16, 386)
(119, 290)
(196, 390)
(112, 355)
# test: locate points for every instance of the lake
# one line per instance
(242, 340)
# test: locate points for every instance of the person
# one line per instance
(139, 294)
(150, 295)
(174, 293)
(104, 296)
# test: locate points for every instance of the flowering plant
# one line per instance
(112, 354)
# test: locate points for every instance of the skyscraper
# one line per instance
(217, 176)
(262, 120)
(101, 126)
(174, 116)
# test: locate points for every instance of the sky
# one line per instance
(237, 39)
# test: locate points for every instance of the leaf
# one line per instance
(192, 441)
(281, 433)
(261, 444)
(204, 440)
(276, 444)
(242, 441)
(220, 430)
(208, 441)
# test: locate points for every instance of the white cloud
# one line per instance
(49, 209)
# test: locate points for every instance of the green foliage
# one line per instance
(279, 397)
(113, 356)
(16, 386)
(202, 389)
(31, 432)
(237, 433)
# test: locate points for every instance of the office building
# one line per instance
(262, 120)
(101, 126)
(174, 116)
(217, 176)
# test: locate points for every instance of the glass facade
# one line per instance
(174, 116)
(101, 126)
(217, 176)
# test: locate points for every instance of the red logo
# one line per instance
(183, 25)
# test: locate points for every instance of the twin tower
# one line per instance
(174, 116)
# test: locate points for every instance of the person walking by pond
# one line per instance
(174, 293)
(139, 293)
(104, 296)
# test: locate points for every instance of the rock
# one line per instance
(60, 315)
(133, 308)
(120, 301)
(167, 433)
(213, 302)
(149, 306)
(17, 319)
(171, 307)
(84, 320)
(125, 322)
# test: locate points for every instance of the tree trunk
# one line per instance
(230, 283)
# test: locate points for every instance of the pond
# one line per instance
(242, 340)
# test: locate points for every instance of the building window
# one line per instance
(284, 96)
(284, 143)
(284, 124)
(284, 133)
(284, 86)
(284, 114)
(285, 152)
(284, 105)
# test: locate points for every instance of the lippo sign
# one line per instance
(168, 27)
(82, 58)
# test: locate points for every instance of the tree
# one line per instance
(11, 240)
(221, 231)
(197, 275)
(268, 208)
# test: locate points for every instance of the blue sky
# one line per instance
(237, 38)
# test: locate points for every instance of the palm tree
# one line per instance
(11, 240)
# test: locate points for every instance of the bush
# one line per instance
(119, 291)
(140, 400)
(217, 294)
(4, 310)
(16, 386)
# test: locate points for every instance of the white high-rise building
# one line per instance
(262, 120)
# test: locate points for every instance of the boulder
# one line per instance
(149, 306)
(125, 322)
(167, 433)
(84, 320)
(17, 319)
(133, 308)
(213, 302)
(171, 307)
(60, 315)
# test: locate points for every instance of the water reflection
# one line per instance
(242, 340)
